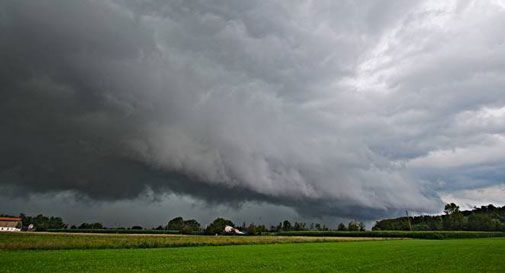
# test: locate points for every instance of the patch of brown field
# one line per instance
(48, 240)
(105, 234)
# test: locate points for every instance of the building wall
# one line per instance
(9, 229)
(10, 226)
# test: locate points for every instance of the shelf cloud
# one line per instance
(332, 108)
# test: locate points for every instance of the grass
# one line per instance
(119, 231)
(52, 241)
(459, 255)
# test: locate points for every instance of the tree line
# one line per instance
(485, 218)
(189, 226)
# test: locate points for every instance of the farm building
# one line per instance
(10, 224)
(230, 229)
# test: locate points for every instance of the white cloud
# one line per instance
(467, 199)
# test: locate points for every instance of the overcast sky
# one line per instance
(138, 111)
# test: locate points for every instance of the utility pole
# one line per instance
(408, 219)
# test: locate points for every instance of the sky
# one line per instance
(134, 112)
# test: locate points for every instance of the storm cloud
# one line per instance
(332, 108)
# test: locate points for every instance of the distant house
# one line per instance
(10, 224)
(230, 229)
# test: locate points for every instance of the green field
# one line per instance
(461, 255)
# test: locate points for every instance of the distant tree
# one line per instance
(353, 226)
(286, 225)
(176, 224)
(190, 226)
(278, 227)
(137, 228)
(451, 208)
(90, 226)
(251, 229)
(260, 229)
(298, 226)
(361, 226)
(159, 228)
(421, 227)
(482, 222)
(341, 227)
(217, 226)
(487, 217)
(41, 222)
(183, 226)
(453, 219)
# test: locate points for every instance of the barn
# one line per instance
(10, 224)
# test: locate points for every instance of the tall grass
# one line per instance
(118, 231)
(48, 241)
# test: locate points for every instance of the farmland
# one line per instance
(52, 241)
(41, 252)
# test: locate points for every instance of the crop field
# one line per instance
(52, 241)
(413, 255)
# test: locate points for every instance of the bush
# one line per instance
(217, 226)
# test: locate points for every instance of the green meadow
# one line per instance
(411, 255)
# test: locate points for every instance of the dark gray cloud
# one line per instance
(330, 108)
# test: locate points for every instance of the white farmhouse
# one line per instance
(230, 229)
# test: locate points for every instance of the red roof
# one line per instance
(10, 219)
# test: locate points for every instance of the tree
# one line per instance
(487, 217)
(190, 226)
(286, 225)
(176, 224)
(261, 229)
(421, 227)
(90, 226)
(183, 226)
(341, 227)
(353, 226)
(361, 226)
(453, 219)
(451, 208)
(41, 222)
(217, 226)
(278, 227)
(251, 229)
(482, 222)
(299, 226)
